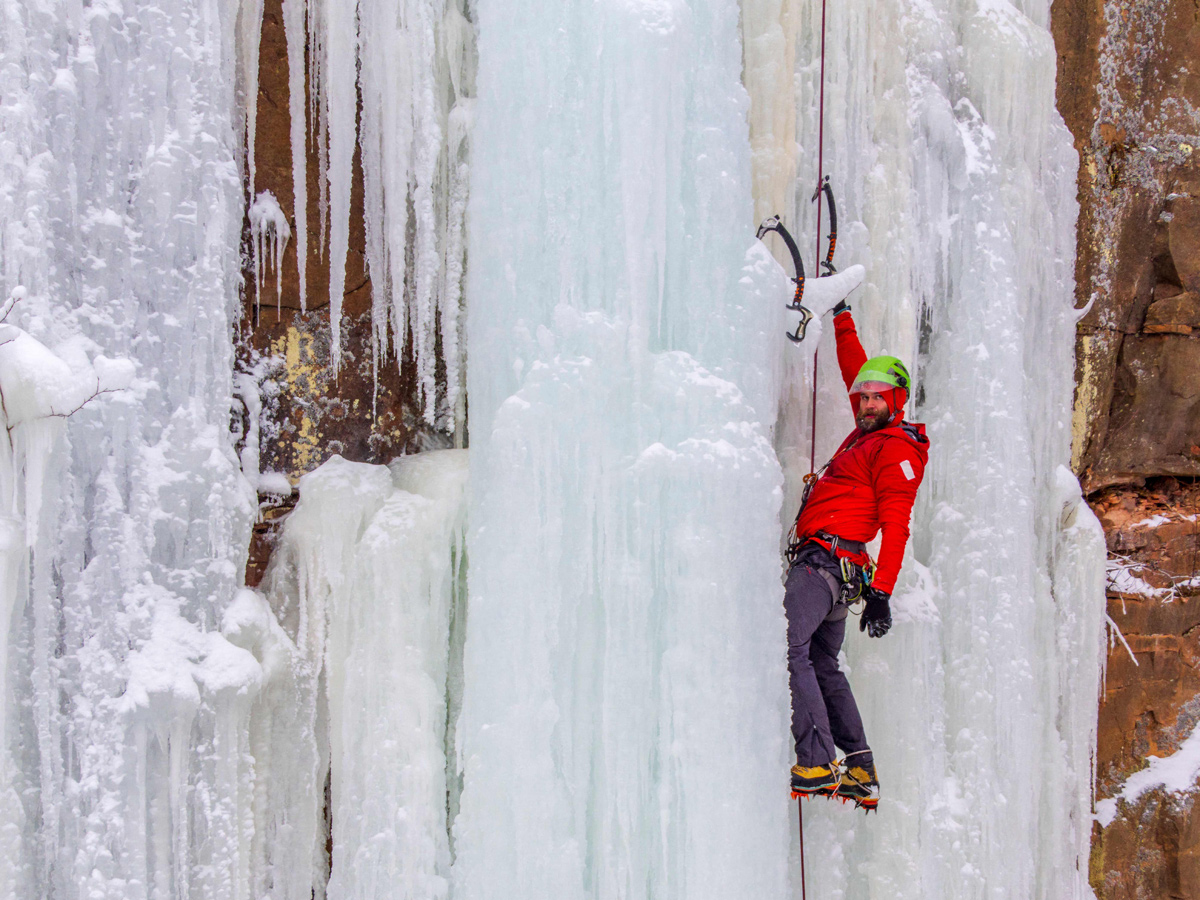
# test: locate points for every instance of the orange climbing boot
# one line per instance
(860, 785)
(814, 781)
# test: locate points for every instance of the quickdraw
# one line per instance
(774, 224)
(855, 579)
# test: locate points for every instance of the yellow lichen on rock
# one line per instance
(303, 373)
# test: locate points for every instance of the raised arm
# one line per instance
(850, 353)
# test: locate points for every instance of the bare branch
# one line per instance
(58, 415)
(1124, 565)
(17, 295)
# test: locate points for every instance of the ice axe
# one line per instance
(773, 224)
(827, 262)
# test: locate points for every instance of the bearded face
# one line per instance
(873, 411)
(872, 421)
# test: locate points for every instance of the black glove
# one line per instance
(876, 615)
(842, 307)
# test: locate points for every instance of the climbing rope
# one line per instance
(803, 889)
(812, 447)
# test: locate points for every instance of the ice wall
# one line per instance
(956, 185)
(623, 726)
(368, 582)
(122, 771)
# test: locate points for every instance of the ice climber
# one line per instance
(868, 486)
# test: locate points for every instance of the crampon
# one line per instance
(856, 784)
(859, 785)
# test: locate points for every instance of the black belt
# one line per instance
(852, 546)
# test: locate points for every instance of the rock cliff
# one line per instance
(1129, 90)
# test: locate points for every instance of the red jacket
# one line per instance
(871, 482)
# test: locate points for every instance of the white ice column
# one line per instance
(624, 723)
(120, 212)
(367, 580)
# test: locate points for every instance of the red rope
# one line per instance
(803, 889)
(812, 448)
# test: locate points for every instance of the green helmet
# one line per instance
(882, 370)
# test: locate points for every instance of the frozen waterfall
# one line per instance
(561, 675)
(957, 181)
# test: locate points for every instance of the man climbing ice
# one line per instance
(868, 486)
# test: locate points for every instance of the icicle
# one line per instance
(318, 118)
(250, 14)
(428, 135)
(268, 224)
(455, 265)
(294, 30)
(340, 104)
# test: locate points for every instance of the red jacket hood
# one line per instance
(912, 432)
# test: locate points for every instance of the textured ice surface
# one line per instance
(368, 579)
(639, 426)
(123, 769)
(955, 180)
(623, 729)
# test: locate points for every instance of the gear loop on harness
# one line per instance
(834, 556)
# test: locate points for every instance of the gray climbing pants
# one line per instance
(824, 713)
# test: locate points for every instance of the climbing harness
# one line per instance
(855, 577)
(848, 577)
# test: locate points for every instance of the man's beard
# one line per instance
(869, 422)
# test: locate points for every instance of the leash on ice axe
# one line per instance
(774, 224)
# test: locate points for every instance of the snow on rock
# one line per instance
(276, 483)
(1176, 774)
